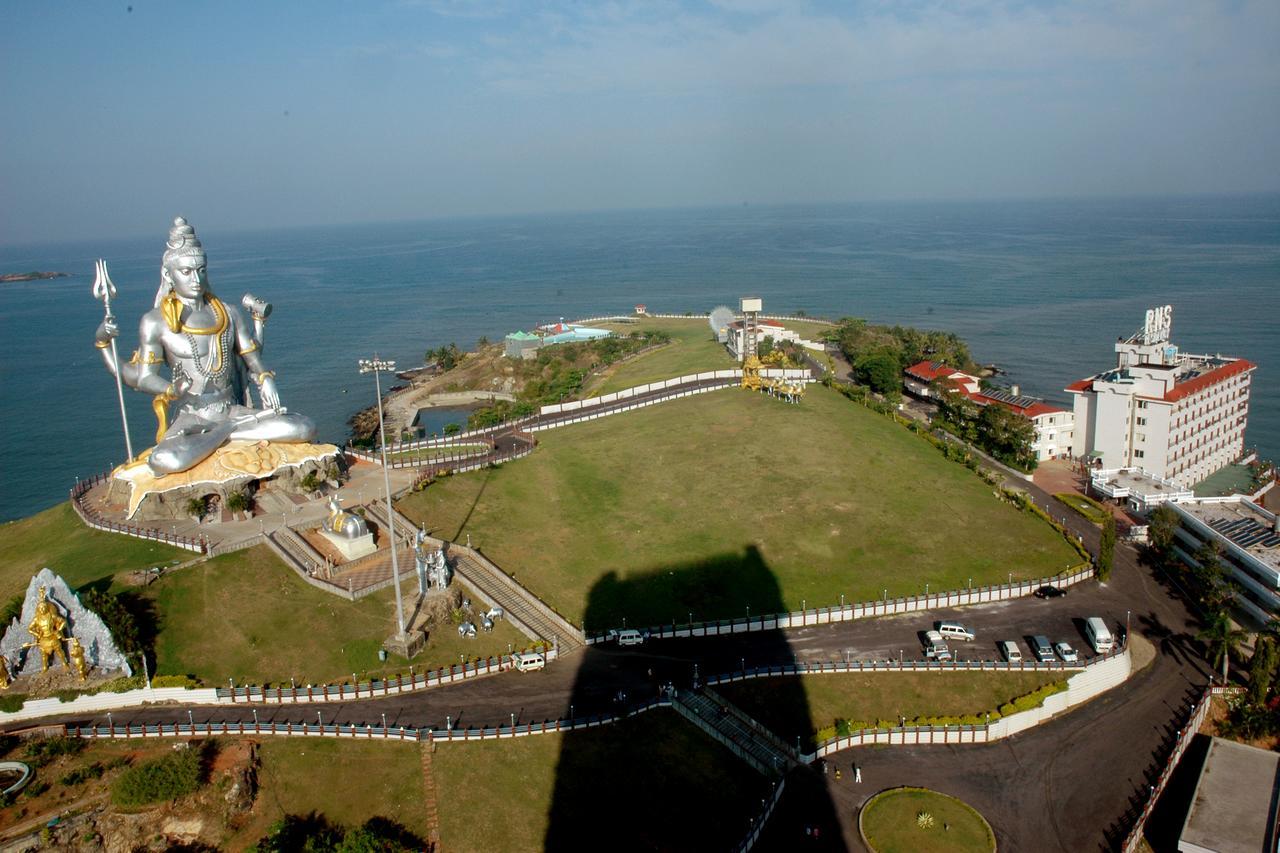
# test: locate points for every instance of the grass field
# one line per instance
(876, 696)
(890, 821)
(58, 539)
(248, 617)
(692, 350)
(626, 786)
(713, 503)
(347, 781)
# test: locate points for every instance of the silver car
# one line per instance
(1065, 652)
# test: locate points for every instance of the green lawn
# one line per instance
(653, 782)
(692, 350)
(725, 500)
(348, 781)
(892, 822)
(246, 616)
(430, 454)
(801, 705)
(58, 539)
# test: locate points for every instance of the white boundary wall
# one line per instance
(1096, 678)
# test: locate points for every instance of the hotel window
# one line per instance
(1142, 421)
(1138, 453)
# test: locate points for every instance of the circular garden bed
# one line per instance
(922, 821)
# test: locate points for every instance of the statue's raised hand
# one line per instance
(105, 290)
(107, 330)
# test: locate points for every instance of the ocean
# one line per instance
(1040, 288)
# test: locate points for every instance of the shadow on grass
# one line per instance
(677, 788)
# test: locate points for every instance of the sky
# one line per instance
(114, 116)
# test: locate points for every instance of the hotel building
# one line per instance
(1172, 414)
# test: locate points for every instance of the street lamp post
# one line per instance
(376, 366)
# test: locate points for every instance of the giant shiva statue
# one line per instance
(212, 352)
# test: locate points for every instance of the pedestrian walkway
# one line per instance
(430, 802)
(730, 726)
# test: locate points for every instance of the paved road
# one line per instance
(1069, 785)
(1066, 786)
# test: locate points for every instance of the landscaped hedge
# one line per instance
(1034, 699)
(1086, 506)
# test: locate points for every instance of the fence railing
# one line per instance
(837, 667)
(1188, 732)
(369, 731)
(862, 610)
(199, 545)
(760, 821)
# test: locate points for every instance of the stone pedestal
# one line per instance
(229, 469)
(407, 644)
(350, 549)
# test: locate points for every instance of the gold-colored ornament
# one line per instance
(47, 626)
(77, 657)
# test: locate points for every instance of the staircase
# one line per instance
(522, 608)
(431, 805)
(728, 725)
(295, 550)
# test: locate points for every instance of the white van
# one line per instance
(1098, 635)
(529, 661)
(628, 637)
(935, 647)
(1010, 651)
(954, 631)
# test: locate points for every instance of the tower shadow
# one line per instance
(694, 774)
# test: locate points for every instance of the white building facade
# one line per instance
(1169, 413)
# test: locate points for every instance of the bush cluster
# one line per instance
(165, 778)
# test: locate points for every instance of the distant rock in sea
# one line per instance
(31, 276)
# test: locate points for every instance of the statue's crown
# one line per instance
(182, 241)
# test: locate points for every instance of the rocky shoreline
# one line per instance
(8, 277)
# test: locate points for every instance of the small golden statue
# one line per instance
(5, 677)
(77, 657)
(47, 627)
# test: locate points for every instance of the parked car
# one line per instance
(953, 631)
(1049, 592)
(1042, 648)
(1009, 651)
(935, 647)
(1065, 652)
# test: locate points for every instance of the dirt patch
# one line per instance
(1141, 652)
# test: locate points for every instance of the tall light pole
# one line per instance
(376, 366)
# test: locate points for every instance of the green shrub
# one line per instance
(43, 750)
(11, 702)
(82, 774)
(165, 778)
(175, 681)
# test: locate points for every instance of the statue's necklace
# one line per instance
(220, 343)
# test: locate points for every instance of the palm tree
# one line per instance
(1222, 638)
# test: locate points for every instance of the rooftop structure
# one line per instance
(1053, 424)
(526, 344)
(742, 335)
(1173, 414)
(1233, 809)
(1248, 538)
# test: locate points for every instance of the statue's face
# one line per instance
(189, 276)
